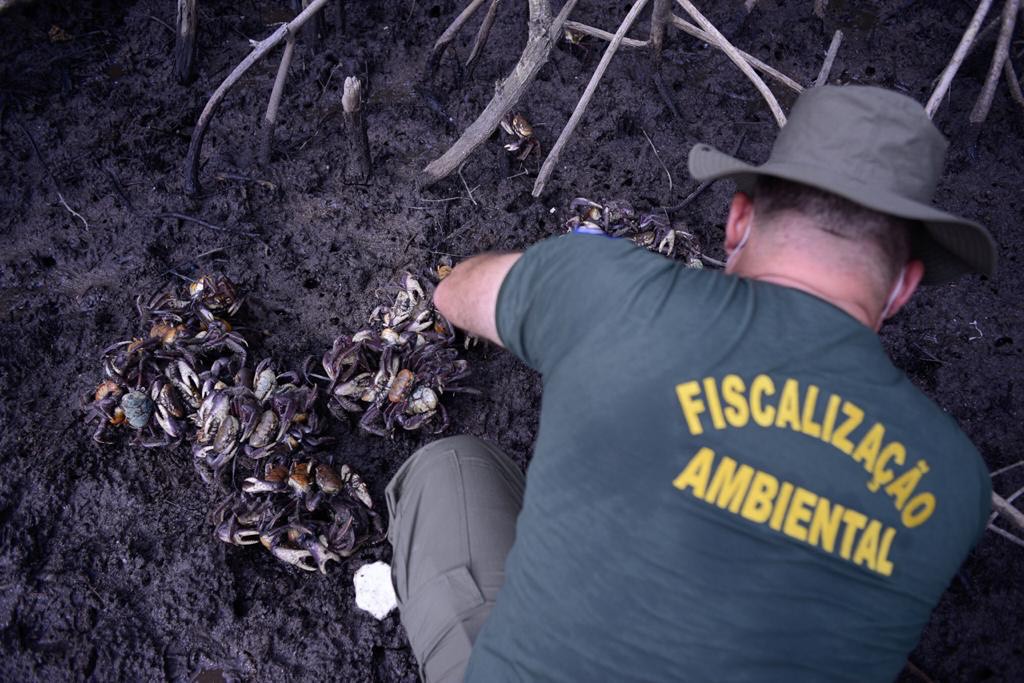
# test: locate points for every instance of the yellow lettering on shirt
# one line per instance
(737, 412)
(788, 413)
(854, 416)
(810, 428)
(695, 475)
(729, 484)
(733, 402)
(691, 405)
(762, 386)
(758, 505)
(803, 515)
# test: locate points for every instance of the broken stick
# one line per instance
(999, 57)
(958, 57)
(359, 162)
(270, 119)
(830, 57)
(737, 59)
(544, 32)
(481, 35)
(581, 106)
(185, 44)
(700, 34)
(1007, 510)
(259, 52)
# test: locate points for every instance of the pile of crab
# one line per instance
(188, 379)
(650, 230)
(396, 371)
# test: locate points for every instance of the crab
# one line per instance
(306, 513)
(652, 231)
(525, 142)
(259, 413)
(406, 392)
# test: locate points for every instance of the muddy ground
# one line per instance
(107, 565)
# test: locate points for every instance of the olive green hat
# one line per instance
(878, 149)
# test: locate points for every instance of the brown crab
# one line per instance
(516, 125)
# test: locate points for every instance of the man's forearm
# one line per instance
(469, 295)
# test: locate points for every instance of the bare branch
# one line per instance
(482, 33)
(958, 57)
(1013, 83)
(830, 57)
(609, 52)
(737, 59)
(259, 52)
(999, 57)
(687, 27)
(603, 35)
(1003, 507)
(544, 33)
(185, 40)
(270, 118)
(660, 13)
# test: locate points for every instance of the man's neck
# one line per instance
(841, 289)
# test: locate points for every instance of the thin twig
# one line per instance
(1002, 470)
(259, 52)
(453, 29)
(830, 57)
(1013, 83)
(270, 118)
(687, 27)
(999, 57)
(1006, 534)
(734, 55)
(466, 185)
(49, 174)
(1007, 510)
(481, 35)
(704, 185)
(658, 156)
(581, 106)
(199, 221)
(603, 35)
(660, 13)
(161, 22)
(544, 32)
(958, 57)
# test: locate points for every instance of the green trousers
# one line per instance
(453, 508)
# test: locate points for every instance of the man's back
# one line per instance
(730, 481)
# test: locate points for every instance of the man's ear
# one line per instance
(741, 212)
(912, 275)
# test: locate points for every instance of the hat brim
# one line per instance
(956, 245)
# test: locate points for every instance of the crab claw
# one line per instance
(319, 553)
(294, 556)
(231, 532)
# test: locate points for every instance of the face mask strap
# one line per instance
(897, 288)
(743, 243)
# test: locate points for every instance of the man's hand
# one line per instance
(469, 295)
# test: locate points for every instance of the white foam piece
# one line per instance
(374, 591)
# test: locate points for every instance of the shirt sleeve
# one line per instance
(561, 290)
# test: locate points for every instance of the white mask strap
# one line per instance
(739, 247)
(897, 288)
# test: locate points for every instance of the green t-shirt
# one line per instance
(730, 482)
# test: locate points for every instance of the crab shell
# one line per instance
(138, 408)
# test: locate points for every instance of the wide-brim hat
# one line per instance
(878, 149)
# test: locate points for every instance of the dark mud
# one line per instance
(107, 566)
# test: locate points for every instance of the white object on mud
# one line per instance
(374, 590)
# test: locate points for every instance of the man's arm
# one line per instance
(468, 297)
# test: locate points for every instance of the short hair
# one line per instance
(833, 214)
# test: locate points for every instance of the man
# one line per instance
(730, 480)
